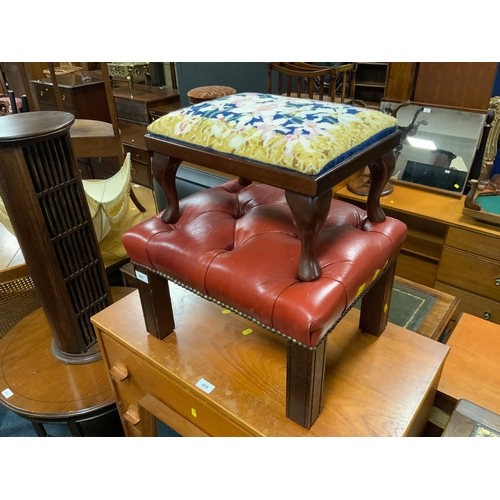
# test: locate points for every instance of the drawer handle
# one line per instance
(133, 170)
(119, 371)
(63, 97)
(497, 282)
(487, 315)
(132, 415)
(41, 93)
(99, 159)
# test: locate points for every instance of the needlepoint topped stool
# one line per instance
(281, 253)
(209, 92)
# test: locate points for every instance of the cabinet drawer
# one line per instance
(141, 174)
(416, 268)
(104, 168)
(47, 98)
(472, 304)
(471, 273)
(138, 155)
(143, 379)
(476, 243)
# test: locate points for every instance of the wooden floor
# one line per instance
(112, 249)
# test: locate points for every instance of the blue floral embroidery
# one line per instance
(305, 135)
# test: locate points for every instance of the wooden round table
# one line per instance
(37, 386)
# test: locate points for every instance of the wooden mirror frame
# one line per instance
(400, 104)
(486, 185)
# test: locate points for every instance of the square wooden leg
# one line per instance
(305, 374)
(375, 304)
(156, 304)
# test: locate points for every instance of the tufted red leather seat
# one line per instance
(239, 245)
(281, 253)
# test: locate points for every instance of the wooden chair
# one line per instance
(326, 83)
(18, 297)
(8, 102)
(93, 138)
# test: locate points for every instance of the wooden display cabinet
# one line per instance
(85, 98)
(371, 80)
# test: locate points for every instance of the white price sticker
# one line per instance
(205, 386)
(426, 110)
(7, 393)
(141, 276)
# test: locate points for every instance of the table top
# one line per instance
(74, 80)
(34, 125)
(34, 383)
(373, 386)
(471, 370)
(145, 95)
(470, 420)
(435, 207)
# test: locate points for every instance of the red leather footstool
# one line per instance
(239, 246)
(281, 253)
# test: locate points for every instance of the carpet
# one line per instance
(12, 425)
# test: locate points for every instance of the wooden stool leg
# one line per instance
(380, 172)
(310, 215)
(156, 304)
(164, 170)
(305, 374)
(375, 304)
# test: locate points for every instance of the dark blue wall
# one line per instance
(496, 85)
(244, 77)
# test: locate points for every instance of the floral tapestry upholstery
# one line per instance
(304, 135)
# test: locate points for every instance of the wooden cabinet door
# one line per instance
(401, 81)
(457, 84)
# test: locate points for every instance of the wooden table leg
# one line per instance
(310, 215)
(380, 173)
(39, 429)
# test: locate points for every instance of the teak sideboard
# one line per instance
(445, 249)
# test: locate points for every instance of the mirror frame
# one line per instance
(400, 104)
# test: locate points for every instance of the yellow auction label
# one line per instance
(247, 331)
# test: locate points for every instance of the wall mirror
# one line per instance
(438, 145)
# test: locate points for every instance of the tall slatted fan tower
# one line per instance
(41, 187)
